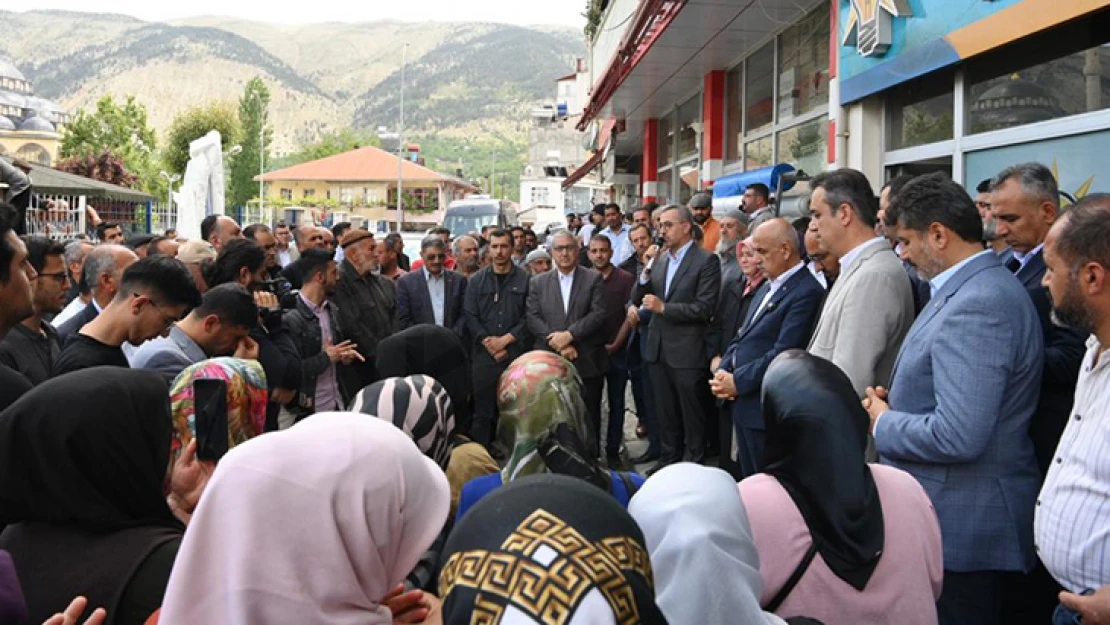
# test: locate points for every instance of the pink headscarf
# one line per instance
(314, 524)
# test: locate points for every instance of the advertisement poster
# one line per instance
(1079, 162)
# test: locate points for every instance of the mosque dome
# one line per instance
(35, 123)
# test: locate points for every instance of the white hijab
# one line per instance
(314, 524)
(705, 561)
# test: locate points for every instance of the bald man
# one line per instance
(783, 313)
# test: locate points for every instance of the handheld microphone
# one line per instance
(658, 242)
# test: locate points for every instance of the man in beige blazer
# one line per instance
(870, 307)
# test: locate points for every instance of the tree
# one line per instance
(253, 113)
(112, 131)
(193, 124)
(105, 167)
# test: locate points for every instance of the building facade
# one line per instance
(696, 90)
(969, 87)
(30, 126)
(361, 185)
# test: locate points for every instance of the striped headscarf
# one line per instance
(246, 399)
(419, 406)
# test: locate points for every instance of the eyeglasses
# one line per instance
(168, 320)
(666, 225)
(60, 276)
(435, 257)
(563, 248)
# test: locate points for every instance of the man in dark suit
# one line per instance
(432, 294)
(782, 316)
(640, 237)
(1024, 203)
(681, 291)
(566, 312)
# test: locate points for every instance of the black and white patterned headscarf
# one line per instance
(416, 404)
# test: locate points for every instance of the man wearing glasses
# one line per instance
(154, 294)
(32, 346)
(432, 294)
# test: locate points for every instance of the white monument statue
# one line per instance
(202, 191)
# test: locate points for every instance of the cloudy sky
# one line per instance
(567, 13)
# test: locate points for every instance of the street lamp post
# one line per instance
(401, 143)
(170, 178)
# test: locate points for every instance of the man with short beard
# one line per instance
(494, 311)
(1070, 526)
(962, 397)
(16, 296)
(466, 256)
(701, 205)
(32, 346)
(366, 303)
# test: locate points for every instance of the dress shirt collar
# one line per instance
(96, 304)
(565, 276)
(846, 260)
(681, 253)
(428, 275)
(937, 283)
(317, 310)
(1024, 258)
(777, 283)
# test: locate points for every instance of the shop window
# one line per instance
(734, 114)
(688, 114)
(688, 176)
(1063, 72)
(803, 76)
(920, 111)
(663, 186)
(758, 154)
(666, 140)
(759, 104)
(805, 146)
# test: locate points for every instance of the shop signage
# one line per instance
(869, 25)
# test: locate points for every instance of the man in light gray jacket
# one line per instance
(870, 307)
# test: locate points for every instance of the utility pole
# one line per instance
(261, 154)
(401, 144)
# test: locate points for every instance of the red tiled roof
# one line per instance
(367, 164)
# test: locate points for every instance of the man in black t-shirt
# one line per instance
(16, 274)
(154, 293)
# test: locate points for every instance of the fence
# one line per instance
(66, 217)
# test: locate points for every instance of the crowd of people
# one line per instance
(890, 410)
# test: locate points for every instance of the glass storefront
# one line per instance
(920, 111)
(805, 146)
(804, 66)
(759, 103)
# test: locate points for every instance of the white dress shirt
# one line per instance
(1024, 258)
(819, 274)
(566, 283)
(622, 247)
(1071, 523)
(435, 292)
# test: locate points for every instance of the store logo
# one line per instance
(868, 28)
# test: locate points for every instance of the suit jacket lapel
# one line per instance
(426, 295)
(556, 293)
(757, 299)
(1033, 267)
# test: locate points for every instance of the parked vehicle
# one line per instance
(476, 212)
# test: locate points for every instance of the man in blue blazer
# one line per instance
(432, 295)
(962, 396)
(781, 317)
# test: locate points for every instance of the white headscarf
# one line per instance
(705, 561)
(314, 524)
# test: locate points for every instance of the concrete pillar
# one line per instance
(649, 170)
(713, 128)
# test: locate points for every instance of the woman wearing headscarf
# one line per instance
(705, 562)
(84, 458)
(435, 351)
(732, 310)
(543, 422)
(325, 543)
(420, 407)
(861, 542)
(244, 403)
(547, 550)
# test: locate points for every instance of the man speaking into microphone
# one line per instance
(679, 287)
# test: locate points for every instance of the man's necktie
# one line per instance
(1013, 265)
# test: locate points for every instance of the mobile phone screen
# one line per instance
(210, 397)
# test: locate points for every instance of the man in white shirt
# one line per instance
(1071, 528)
(617, 233)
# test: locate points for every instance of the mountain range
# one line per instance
(463, 82)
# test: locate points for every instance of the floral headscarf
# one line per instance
(540, 397)
(246, 399)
